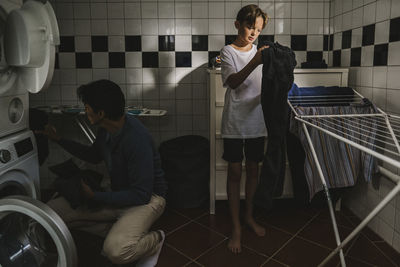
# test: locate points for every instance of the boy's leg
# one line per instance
(251, 186)
(254, 151)
(233, 192)
(129, 239)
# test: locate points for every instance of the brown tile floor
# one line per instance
(295, 237)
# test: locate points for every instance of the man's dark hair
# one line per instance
(103, 95)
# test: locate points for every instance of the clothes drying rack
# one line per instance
(342, 126)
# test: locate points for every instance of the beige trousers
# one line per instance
(125, 230)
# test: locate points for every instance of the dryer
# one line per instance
(28, 39)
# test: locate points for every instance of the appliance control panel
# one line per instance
(15, 147)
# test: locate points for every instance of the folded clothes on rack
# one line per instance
(341, 163)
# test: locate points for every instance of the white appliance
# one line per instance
(31, 234)
(28, 37)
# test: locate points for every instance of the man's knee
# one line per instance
(118, 251)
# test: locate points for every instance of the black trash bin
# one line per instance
(186, 163)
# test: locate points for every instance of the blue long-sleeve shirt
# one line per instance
(133, 163)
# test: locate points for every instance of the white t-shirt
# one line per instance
(242, 116)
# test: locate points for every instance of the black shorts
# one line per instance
(253, 149)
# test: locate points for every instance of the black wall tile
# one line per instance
(337, 58)
(346, 39)
(99, 44)
(326, 42)
(211, 55)
(380, 55)
(229, 39)
(57, 62)
(83, 60)
(166, 43)
(67, 44)
(116, 60)
(150, 59)
(355, 57)
(298, 42)
(183, 59)
(314, 56)
(200, 43)
(394, 34)
(331, 37)
(368, 37)
(133, 43)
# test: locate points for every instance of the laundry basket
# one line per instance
(186, 162)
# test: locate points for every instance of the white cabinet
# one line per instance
(218, 167)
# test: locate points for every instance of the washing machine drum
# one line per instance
(32, 234)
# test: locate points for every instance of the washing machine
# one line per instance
(31, 233)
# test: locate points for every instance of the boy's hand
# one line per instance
(87, 192)
(258, 55)
(50, 132)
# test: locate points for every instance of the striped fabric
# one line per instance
(341, 163)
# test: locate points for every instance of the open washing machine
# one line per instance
(31, 234)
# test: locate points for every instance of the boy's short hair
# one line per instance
(103, 95)
(250, 13)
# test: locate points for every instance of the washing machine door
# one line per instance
(29, 37)
(32, 234)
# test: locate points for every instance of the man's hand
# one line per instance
(50, 132)
(87, 192)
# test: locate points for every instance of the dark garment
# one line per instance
(132, 161)
(278, 65)
(37, 121)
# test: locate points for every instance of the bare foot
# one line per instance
(258, 229)
(234, 243)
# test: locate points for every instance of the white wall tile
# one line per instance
(283, 10)
(183, 43)
(134, 75)
(347, 21)
(379, 97)
(345, 58)
(115, 10)
(337, 41)
(269, 28)
(116, 43)
(183, 10)
(395, 9)
(166, 59)
(133, 26)
(382, 32)
(356, 37)
(166, 10)
(216, 26)
(369, 14)
(267, 7)
(199, 58)
(150, 43)
(299, 10)
(230, 27)
(167, 91)
(393, 100)
(215, 9)
(347, 6)
(66, 60)
(380, 77)
(393, 53)
(366, 77)
(166, 27)
(183, 91)
(283, 40)
(337, 23)
(315, 42)
(299, 26)
(199, 26)
(81, 11)
(316, 10)
(199, 10)
(134, 91)
(149, 9)
(301, 56)
(116, 27)
(282, 26)
(149, 26)
(367, 55)
(66, 26)
(216, 42)
(167, 75)
(83, 44)
(183, 26)
(151, 92)
(358, 17)
(132, 10)
(118, 76)
(101, 74)
(382, 10)
(393, 77)
(150, 75)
